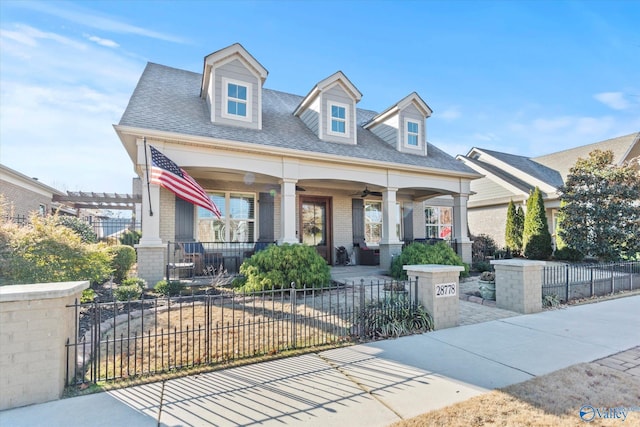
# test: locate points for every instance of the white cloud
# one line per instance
(614, 100)
(74, 13)
(57, 109)
(102, 42)
(450, 114)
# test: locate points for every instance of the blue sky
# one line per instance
(524, 77)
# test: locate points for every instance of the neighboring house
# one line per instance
(288, 168)
(24, 195)
(510, 177)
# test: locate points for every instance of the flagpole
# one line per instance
(146, 162)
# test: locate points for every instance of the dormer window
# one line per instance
(413, 132)
(237, 100)
(338, 119)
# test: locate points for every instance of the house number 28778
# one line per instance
(445, 290)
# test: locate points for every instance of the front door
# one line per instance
(315, 224)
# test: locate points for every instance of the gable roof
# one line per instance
(337, 77)
(562, 161)
(412, 98)
(168, 100)
(528, 166)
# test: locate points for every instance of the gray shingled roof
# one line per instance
(168, 99)
(500, 173)
(528, 166)
(564, 160)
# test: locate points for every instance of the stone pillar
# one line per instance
(387, 252)
(36, 323)
(152, 263)
(438, 292)
(519, 285)
(288, 212)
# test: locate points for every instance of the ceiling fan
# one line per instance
(366, 192)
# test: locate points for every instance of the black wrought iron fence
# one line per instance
(575, 281)
(117, 340)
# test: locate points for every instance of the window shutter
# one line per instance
(408, 221)
(184, 220)
(357, 220)
(266, 217)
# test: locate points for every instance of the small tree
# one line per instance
(536, 239)
(601, 207)
(513, 230)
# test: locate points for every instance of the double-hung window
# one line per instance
(372, 221)
(237, 100)
(413, 134)
(237, 222)
(338, 119)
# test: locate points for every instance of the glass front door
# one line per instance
(315, 225)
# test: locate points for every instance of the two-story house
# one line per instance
(280, 167)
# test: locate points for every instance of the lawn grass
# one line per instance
(554, 400)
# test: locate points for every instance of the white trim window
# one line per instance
(438, 222)
(338, 119)
(412, 134)
(237, 223)
(372, 221)
(236, 100)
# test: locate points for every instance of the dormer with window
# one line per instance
(403, 125)
(232, 83)
(329, 110)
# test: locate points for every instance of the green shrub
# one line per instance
(385, 319)
(169, 288)
(79, 226)
(278, 266)
(127, 292)
(481, 266)
(483, 246)
(418, 253)
(551, 301)
(536, 239)
(123, 259)
(130, 237)
(45, 252)
(568, 254)
(88, 295)
(141, 283)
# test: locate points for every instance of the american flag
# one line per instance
(169, 175)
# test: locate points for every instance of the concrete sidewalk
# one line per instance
(364, 385)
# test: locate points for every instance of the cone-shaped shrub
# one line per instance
(536, 239)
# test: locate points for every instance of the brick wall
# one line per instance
(35, 326)
(491, 221)
(22, 201)
(519, 285)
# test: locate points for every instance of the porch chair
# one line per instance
(204, 263)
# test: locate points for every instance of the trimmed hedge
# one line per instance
(123, 259)
(418, 253)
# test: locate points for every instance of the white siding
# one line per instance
(339, 95)
(236, 70)
(411, 113)
(487, 189)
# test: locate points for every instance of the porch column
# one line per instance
(288, 212)
(389, 243)
(460, 227)
(151, 250)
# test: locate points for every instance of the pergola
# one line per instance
(90, 200)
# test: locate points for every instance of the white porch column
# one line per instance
(389, 216)
(288, 212)
(390, 245)
(150, 218)
(460, 227)
(151, 250)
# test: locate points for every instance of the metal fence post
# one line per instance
(567, 283)
(362, 310)
(593, 284)
(612, 279)
(292, 298)
(415, 294)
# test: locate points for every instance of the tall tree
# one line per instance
(513, 229)
(601, 209)
(536, 239)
